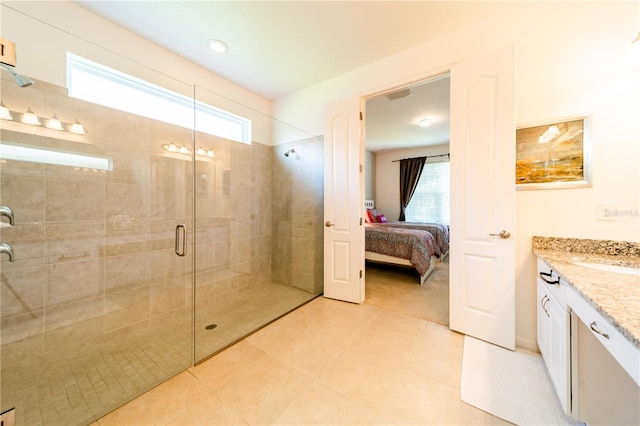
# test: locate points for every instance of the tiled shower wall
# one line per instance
(297, 214)
(233, 232)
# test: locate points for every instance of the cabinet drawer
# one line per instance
(618, 346)
(551, 281)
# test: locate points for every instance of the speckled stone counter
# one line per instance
(615, 296)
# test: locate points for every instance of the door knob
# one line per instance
(328, 224)
(503, 234)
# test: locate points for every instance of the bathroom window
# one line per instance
(430, 201)
(92, 82)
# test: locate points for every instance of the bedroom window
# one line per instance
(93, 82)
(430, 201)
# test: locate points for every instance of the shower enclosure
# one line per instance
(135, 261)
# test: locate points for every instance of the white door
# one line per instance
(482, 265)
(343, 201)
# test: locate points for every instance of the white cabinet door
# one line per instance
(543, 319)
(553, 333)
(558, 350)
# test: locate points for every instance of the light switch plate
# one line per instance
(605, 211)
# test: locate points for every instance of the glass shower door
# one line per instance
(96, 306)
(258, 223)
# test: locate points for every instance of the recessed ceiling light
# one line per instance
(218, 46)
(425, 122)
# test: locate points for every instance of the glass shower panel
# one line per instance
(258, 226)
(96, 307)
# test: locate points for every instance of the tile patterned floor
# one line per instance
(327, 363)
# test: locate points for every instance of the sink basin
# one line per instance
(610, 268)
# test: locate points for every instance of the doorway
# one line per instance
(393, 133)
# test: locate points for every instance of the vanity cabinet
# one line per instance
(605, 369)
(553, 331)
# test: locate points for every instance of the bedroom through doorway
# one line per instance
(408, 123)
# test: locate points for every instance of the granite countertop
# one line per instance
(615, 296)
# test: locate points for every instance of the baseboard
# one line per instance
(527, 344)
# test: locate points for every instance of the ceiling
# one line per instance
(279, 47)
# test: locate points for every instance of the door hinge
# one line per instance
(361, 116)
(360, 273)
(360, 221)
(360, 168)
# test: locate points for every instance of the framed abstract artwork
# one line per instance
(553, 154)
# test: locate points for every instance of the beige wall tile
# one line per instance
(124, 272)
(73, 281)
(71, 200)
(132, 306)
(25, 196)
(22, 291)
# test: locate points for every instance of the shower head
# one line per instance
(22, 80)
(291, 151)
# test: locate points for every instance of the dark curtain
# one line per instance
(410, 171)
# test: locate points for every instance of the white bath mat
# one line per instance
(511, 385)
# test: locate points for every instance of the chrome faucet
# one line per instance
(6, 211)
(7, 249)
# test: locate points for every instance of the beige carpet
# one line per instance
(512, 385)
(398, 289)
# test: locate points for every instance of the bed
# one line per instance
(440, 233)
(405, 243)
(400, 246)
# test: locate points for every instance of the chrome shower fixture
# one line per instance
(22, 80)
(291, 151)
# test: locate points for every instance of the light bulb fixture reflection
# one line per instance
(77, 128)
(183, 149)
(54, 123)
(30, 118)
(4, 112)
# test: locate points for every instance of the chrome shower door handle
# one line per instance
(181, 240)
(6, 211)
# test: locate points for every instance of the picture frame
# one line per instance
(554, 154)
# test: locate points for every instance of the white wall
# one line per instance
(387, 193)
(369, 174)
(571, 60)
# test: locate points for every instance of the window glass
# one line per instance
(430, 201)
(96, 83)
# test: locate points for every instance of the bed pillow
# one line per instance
(373, 215)
(381, 219)
(367, 216)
